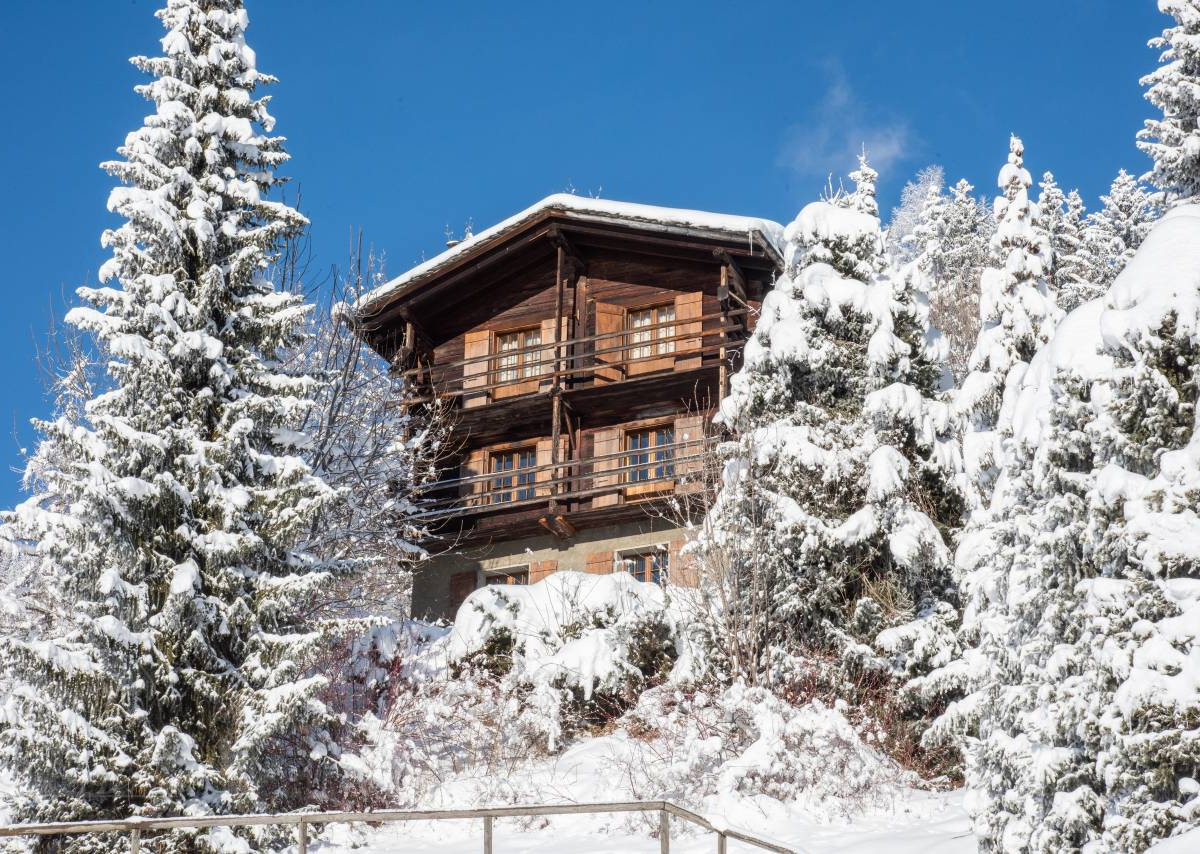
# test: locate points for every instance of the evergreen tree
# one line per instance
(1074, 288)
(176, 682)
(1082, 660)
(840, 433)
(1017, 315)
(1113, 233)
(1060, 225)
(1173, 142)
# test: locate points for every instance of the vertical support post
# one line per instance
(135, 841)
(723, 369)
(487, 834)
(556, 382)
(664, 832)
(722, 842)
(302, 846)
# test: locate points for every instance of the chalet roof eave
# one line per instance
(764, 234)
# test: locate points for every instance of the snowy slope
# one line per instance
(591, 771)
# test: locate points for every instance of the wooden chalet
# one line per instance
(582, 346)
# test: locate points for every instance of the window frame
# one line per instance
(656, 567)
(655, 470)
(519, 481)
(645, 351)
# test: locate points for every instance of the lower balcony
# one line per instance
(517, 488)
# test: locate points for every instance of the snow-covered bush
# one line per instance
(745, 742)
(585, 646)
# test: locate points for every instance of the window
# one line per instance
(653, 454)
(504, 577)
(652, 565)
(514, 475)
(518, 355)
(650, 331)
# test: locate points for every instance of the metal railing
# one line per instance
(136, 827)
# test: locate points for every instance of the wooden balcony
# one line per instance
(556, 496)
(487, 376)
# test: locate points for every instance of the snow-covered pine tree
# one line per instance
(1029, 770)
(1071, 268)
(1062, 231)
(1113, 233)
(177, 682)
(1144, 536)
(1173, 141)
(919, 203)
(838, 431)
(1081, 578)
(1017, 316)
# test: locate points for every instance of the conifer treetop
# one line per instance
(1173, 141)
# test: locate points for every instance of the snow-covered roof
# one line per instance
(767, 234)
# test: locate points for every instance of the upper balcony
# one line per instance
(666, 337)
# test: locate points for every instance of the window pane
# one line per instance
(666, 314)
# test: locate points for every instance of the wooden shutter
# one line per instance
(476, 463)
(462, 585)
(539, 569)
(599, 563)
(605, 443)
(689, 308)
(476, 345)
(610, 320)
(690, 453)
(545, 472)
(682, 571)
(546, 356)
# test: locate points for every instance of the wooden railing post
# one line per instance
(722, 842)
(135, 841)
(664, 832)
(302, 845)
(487, 834)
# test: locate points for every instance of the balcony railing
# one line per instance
(588, 360)
(585, 483)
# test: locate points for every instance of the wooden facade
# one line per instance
(581, 353)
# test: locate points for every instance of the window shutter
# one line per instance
(546, 356)
(462, 585)
(476, 463)
(544, 473)
(689, 308)
(690, 453)
(610, 322)
(476, 345)
(604, 444)
(600, 563)
(539, 569)
(682, 570)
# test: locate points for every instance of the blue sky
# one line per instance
(408, 118)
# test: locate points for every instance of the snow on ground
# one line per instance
(803, 775)
(591, 771)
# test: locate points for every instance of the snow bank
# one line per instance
(767, 234)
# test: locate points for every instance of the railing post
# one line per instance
(664, 832)
(302, 846)
(135, 841)
(721, 843)
(487, 834)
